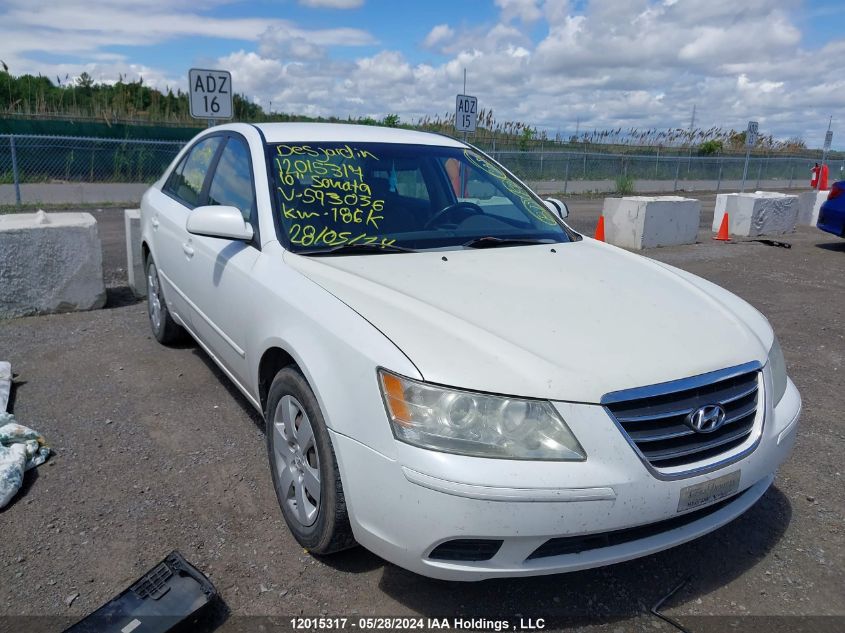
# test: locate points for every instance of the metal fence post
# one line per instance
(657, 163)
(677, 170)
(759, 172)
(791, 174)
(566, 175)
(15, 175)
(719, 179)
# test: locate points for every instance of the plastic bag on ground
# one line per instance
(21, 448)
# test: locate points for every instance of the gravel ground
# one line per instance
(155, 450)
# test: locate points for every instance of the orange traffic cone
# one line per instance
(723, 235)
(600, 229)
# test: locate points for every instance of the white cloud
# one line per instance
(440, 34)
(641, 65)
(525, 10)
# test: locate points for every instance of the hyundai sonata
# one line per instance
(450, 375)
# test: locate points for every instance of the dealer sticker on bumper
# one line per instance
(708, 492)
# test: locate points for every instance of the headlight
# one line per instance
(778, 369)
(476, 424)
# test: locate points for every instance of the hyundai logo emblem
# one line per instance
(706, 419)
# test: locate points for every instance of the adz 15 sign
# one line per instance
(466, 113)
(211, 93)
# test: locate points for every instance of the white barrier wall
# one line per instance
(134, 256)
(809, 203)
(50, 263)
(639, 222)
(719, 210)
(758, 213)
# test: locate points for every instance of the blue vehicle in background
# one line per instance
(832, 211)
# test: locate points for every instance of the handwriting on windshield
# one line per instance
(325, 196)
(532, 206)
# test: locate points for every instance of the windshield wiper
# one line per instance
(358, 248)
(493, 242)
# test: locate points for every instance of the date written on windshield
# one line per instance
(308, 235)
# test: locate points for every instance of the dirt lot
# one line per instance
(155, 450)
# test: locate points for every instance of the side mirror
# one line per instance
(558, 207)
(219, 221)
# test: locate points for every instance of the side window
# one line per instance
(231, 184)
(187, 179)
(172, 184)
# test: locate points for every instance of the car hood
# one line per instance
(572, 322)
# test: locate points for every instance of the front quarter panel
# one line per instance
(337, 350)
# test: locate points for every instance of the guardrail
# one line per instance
(51, 160)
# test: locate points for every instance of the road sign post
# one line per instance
(750, 141)
(828, 140)
(210, 94)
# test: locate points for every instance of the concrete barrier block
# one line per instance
(639, 222)
(134, 257)
(50, 263)
(758, 213)
(809, 203)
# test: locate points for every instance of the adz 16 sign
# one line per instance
(211, 93)
(466, 113)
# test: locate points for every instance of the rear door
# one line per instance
(223, 291)
(184, 190)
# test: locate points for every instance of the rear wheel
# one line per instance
(304, 468)
(165, 329)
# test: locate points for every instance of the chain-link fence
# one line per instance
(56, 160)
(571, 171)
(66, 159)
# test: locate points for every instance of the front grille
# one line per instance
(586, 542)
(654, 418)
(467, 549)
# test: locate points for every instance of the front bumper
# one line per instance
(403, 508)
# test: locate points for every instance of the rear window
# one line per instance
(186, 181)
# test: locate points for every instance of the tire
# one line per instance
(303, 466)
(164, 328)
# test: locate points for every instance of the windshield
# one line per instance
(400, 197)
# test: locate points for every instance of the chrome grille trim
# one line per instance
(655, 409)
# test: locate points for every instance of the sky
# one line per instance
(554, 64)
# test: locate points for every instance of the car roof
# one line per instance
(350, 133)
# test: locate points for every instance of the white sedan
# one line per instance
(450, 375)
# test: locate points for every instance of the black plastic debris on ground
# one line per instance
(165, 599)
(765, 241)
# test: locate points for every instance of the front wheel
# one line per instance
(304, 468)
(165, 329)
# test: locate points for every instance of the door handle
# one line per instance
(187, 249)
(154, 221)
